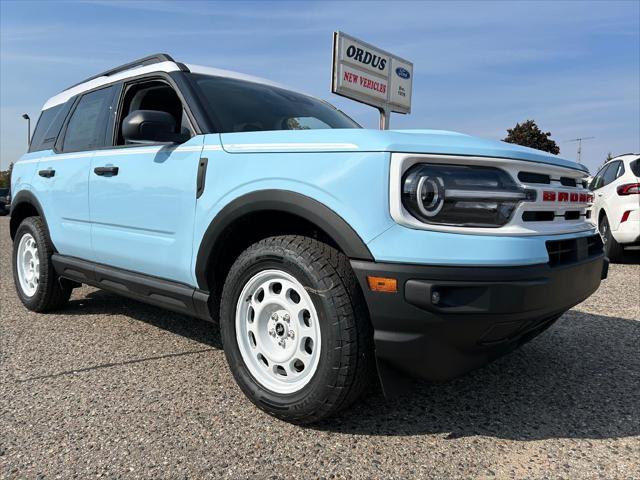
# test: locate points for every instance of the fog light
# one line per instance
(435, 297)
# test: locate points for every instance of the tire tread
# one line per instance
(52, 293)
(355, 367)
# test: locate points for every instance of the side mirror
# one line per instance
(151, 126)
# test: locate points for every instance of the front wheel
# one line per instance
(295, 329)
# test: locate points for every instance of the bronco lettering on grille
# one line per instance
(566, 197)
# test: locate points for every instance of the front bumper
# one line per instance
(482, 312)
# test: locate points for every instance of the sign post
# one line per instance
(372, 76)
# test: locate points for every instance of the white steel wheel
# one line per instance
(28, 265)
(277, 331)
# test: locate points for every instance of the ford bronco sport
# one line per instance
(327, 252)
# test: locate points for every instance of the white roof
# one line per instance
(168, 66)
(218, 72)
(626, 156)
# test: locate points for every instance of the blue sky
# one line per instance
(480, 67)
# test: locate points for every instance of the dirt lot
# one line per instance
(109, 387)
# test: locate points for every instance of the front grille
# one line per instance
(561, 201)
(550, 216)
(536, 216)
(563, 252)
(568, 182)
(531, 177)
(541, 178)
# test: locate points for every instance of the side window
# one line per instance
(153, 95)
(48, 127)
(620, 170)
(88, 123)
(596, 183)
(610, 174)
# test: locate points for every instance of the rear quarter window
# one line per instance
(48, 127)
(635, 167)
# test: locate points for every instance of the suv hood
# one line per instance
(367, 140)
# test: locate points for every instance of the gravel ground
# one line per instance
(109, 387)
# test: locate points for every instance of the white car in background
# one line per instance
(616, 207)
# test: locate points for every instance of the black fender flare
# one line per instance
(285, 201)
(21, 198)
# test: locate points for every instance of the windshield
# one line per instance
(241, 106)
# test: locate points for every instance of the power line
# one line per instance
(579, 140)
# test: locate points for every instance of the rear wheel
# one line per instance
(612, 248)
(295, 329)
(37, 284)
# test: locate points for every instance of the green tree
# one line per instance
(5, 177)
(528, 134)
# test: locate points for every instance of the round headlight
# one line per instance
(461, 195)
(430, 195)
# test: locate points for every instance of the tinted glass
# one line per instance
(620, 170)
(88, 123)
(153, 95)
(240, 106)
(635, 167)
(48, 127)
(596, 182)
(610, 173)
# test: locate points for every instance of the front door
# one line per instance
(142, 197)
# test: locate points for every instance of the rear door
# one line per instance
(605, 189)
(62, 176)
(143, 197)
(617, 204)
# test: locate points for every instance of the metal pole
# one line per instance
(579, 149)
(579, 142)
(28, 119)
(384, 119)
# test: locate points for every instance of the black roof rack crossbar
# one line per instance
(141, 62)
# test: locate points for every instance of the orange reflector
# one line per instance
(382, 284)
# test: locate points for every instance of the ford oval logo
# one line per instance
(403, 73)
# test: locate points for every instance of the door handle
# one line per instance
(110, 171)
(48, 173)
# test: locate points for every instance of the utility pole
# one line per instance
(579, 140)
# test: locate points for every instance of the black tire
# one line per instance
(52, 291)
(612, 249)
(346, 366)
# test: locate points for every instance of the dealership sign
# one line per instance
(370, 75)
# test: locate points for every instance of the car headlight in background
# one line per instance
(461, 195)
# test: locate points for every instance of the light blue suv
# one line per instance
(327, 252)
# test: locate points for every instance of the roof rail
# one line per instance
(141, 62)
(621, 155)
